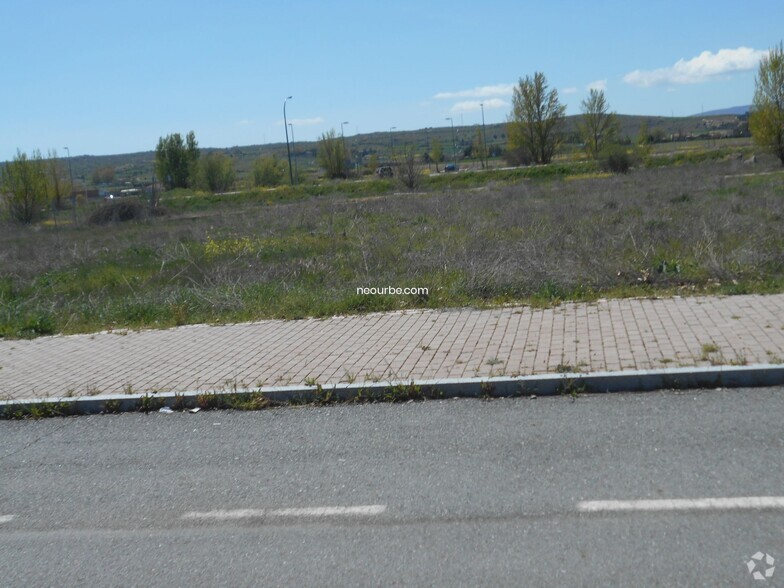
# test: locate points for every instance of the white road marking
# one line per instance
(319, 511)
(739, 503)
(6, 518)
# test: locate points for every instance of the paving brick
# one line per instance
(606, 335)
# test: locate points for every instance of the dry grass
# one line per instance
(681, 228)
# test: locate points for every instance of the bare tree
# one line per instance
(407, 170)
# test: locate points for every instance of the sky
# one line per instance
(112, 77)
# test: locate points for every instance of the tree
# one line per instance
(332, 155)
(407, 171)
(59, 185)
(25, 184)
(766, 119)
(436, 153)
(176, 160)
(478, 147)
(598, 127)
(535, 120)
(268, 171)
(644, 140)
(103, 175)
(216, 172)
(372, 163)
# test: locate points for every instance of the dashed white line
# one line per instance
(739, 503)
(318, 511)
(6, 518)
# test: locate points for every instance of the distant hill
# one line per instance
(736, 110)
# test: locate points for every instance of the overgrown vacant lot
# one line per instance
(681, 229)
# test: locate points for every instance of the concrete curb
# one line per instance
(502, 386)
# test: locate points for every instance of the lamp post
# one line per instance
(343, 138)
(391, 142)
(288, 149)
(70, 170)
(454, 153)
(73, 194)
(296, 170)
(484, 133)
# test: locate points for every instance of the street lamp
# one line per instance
(296, 170)
(73, 194)
(454, 153)
(343, 138)
(391, 143)
(484, 133)
(288, 149)
(70, 169)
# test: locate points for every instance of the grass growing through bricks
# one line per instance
(243, 401)
(524, 236)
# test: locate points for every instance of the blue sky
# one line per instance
(112, 77)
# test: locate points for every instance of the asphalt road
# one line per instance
(447, 493)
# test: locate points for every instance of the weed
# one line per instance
(486, 390)
(373, 377)
(150, 403)
(209, 400)
(493, 361)
(324, 397)
(566, 368)
(572, 388)
(310, 381)
(411, 391)
(349, 377)
(707, 349)
(739, 360)
(112, 406)
(40, 411)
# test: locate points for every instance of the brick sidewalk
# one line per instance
(609, 335)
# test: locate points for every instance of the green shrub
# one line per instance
(119, 211)
(616, 159)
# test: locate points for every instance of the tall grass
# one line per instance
(670, 229)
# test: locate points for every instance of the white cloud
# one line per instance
(702, 68)
(600, 85)
(569, 90)
(478, 92)
(474, 105)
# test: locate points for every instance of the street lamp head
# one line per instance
(289, 98)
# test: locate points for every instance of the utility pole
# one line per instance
(73, 193)
(343, 139)
(391, 142)
(484, 133)
(454, 152)
(288, 149)
(296, 170)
